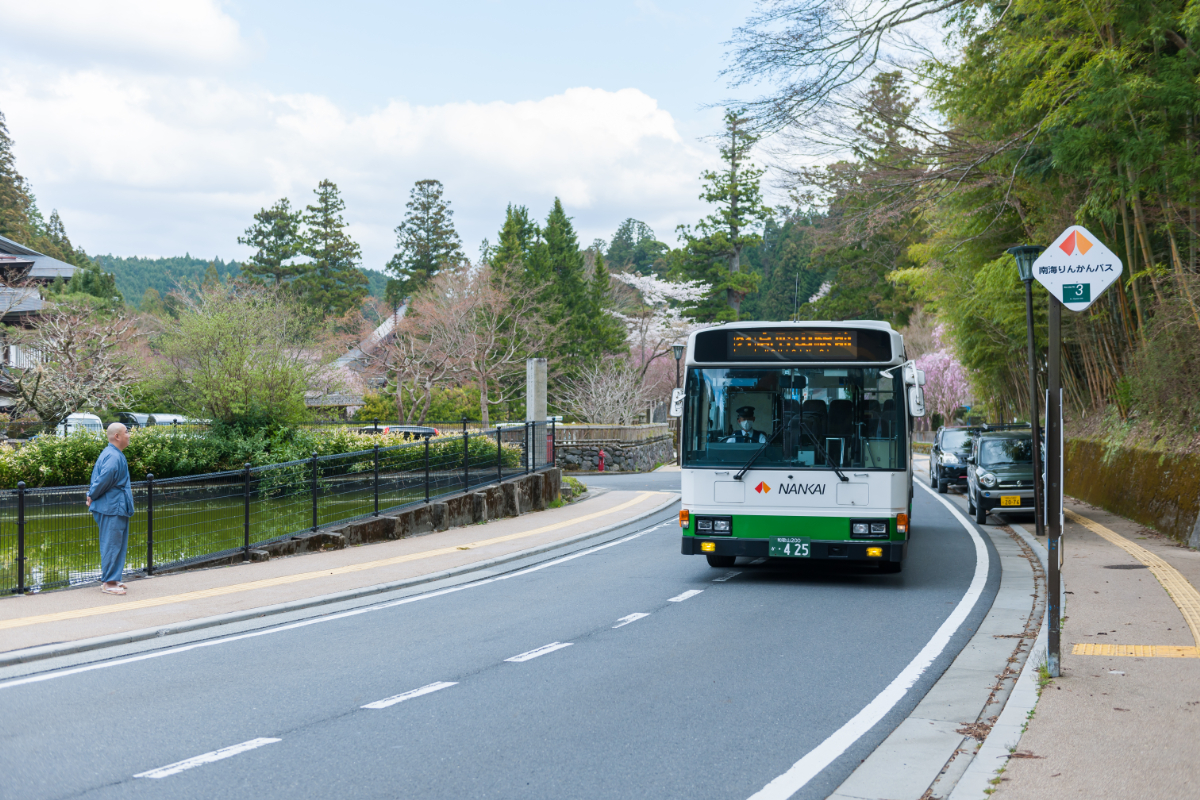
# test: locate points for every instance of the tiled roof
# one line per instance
(44, 267)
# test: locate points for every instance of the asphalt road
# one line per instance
(558, 688)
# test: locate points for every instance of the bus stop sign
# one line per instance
(1077, 268)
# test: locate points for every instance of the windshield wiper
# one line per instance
(757, 453)
(816, 442)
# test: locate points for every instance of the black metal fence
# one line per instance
(48, 539)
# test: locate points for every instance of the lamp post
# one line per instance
(677, 349)
(1025, 255)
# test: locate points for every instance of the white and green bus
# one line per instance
(795, 442)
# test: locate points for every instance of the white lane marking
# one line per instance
(207, 758)
(183, 648)
(400, 698)
(679, 598)
(725, 577)
(631, 618)
(824, 754)
(541, 651)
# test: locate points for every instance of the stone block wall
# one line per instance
(618, 456)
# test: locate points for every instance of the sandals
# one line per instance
(118, 589)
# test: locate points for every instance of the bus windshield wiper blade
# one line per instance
(823, 452)
(757, 453)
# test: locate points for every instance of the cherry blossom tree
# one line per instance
(654, 322)
(946, 385)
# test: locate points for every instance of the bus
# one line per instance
(795, 442)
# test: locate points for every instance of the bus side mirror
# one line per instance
(916, 401)
(676, 402)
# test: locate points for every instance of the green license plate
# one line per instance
(789, 547)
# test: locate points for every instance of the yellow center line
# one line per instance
(1180, 591)
(283, 580)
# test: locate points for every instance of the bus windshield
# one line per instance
(808, 418)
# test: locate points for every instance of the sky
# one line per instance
(160, 128)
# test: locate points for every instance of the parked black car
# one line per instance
(948, 457)
(1000, 478)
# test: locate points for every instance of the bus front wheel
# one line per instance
(720, 561)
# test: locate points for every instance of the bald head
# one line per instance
(118, 435)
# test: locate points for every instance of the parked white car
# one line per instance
(80, 422)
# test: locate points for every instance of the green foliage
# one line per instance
(712, 252)
(381, 406)
(425, 241)
(176, 451)
(518, 237)
(135, 275)
(634, 248)
(787, 274)
(240, 353)
(275, 235)
(331, 284)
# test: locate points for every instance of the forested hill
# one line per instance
(135, 274)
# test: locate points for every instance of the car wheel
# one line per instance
(970, 502)
(933, 481)
(943, 486)
(720, 561)
(980, 513)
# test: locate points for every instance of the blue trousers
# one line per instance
(114, 538)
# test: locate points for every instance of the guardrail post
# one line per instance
(246, 514)
(21, 537)
(499, 459)
(466, 458)
(149, 523)
(314, 490)
(427, 436)
(377, 478)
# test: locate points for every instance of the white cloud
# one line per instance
(163, 31)
(163, 164)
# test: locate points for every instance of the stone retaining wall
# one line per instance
(618, 456)
(1161, 490)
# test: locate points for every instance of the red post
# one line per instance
(602, 460)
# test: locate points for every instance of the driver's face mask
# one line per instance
(746, 425)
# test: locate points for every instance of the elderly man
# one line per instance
(110, 499)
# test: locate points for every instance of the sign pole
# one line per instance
(1039, 511)
(1054, 497)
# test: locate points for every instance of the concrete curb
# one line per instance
(41, 652)
(1006, 734)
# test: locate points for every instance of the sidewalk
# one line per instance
(1123, 719)
(85, 613)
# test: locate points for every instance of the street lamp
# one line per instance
(678, 350)
(1025, 255)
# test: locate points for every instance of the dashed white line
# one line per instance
(631, 618)
(679, 598)
(541, 651)
(400, 698)
(207, 758)
(725, 577)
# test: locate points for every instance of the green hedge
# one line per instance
(177, 451)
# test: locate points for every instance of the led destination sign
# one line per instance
(793, 344)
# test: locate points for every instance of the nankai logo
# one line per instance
(1076, 241)
(792, 488)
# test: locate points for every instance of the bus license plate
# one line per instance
(1010, 500)
(789, 547)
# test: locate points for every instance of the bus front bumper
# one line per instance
(832, 551)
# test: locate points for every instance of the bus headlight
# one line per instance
(988, 479)
(868, 529)
(722, 525)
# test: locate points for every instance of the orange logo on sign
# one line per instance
(762, 487)
(1076, 240)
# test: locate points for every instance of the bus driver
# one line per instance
(745, 433)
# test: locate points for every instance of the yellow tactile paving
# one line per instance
(1136, 650)
(305, 576)
(1177, 586)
